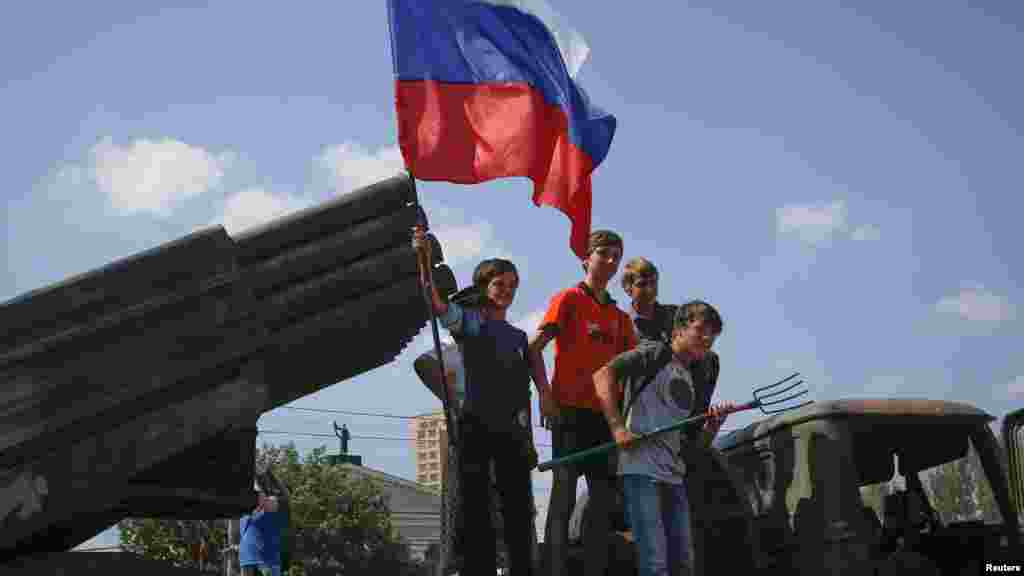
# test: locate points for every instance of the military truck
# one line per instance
(782, 495)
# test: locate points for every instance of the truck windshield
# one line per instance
(959, 491)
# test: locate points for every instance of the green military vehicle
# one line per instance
(783, 495)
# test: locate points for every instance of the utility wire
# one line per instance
(354, 437)
(396, 438)
(721, 432)
(351, 413)
(374, 415)
(289, 433)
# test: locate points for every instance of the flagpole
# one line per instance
(421, 218)
(446, 401)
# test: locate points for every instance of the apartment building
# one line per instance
(430, 445)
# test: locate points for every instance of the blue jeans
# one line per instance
(659, 515)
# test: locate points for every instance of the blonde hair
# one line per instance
(636, 268)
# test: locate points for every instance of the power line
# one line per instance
(354, 437)
(352, 413)
(721, 432)
(289, 433)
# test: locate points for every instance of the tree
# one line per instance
(983, 498)
(183, 543)
(340, 524)
(961, 491)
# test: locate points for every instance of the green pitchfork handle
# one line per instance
(584, 454)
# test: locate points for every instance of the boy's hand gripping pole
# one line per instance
(426, 264)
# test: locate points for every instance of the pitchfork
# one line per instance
(766, 399)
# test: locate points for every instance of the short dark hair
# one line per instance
(698, 309)
(599, 238)
(489, 269)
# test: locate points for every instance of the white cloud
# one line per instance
(154, 175)
(255, 206)
(866, 232)
(70, 176)
(464, 242)
(976, 305)
(350, 165)
(811, 223)
(570, 43)
(1016, 388)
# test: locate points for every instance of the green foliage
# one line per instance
(946, 492)
(340, 524)
(960, 491)
(186, 544)
(984, 498)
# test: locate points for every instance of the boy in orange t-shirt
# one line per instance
(589, 330)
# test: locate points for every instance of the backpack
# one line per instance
(704, 375)
(630, 395)
(664, 357)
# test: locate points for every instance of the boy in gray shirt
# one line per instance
(659, 390)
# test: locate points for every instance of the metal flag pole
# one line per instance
(447, 515)
(446, 402)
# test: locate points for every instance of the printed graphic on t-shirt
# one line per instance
(668, 399)
(598, 334)
(589, 336)
(680, 391)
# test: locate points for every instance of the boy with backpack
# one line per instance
(493, 422)
(658, 383)
(655, 321)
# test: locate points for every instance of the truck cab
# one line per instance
(802, 474)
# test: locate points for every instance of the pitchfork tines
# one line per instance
(769, 395)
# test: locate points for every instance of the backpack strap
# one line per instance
(669, 316)
(709, 380)
(664, 357)
(705, 378)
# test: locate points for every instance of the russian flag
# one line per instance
(485, 89)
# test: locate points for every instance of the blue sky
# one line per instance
(841, 180)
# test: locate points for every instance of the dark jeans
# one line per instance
(573, 430)
(480, 445)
